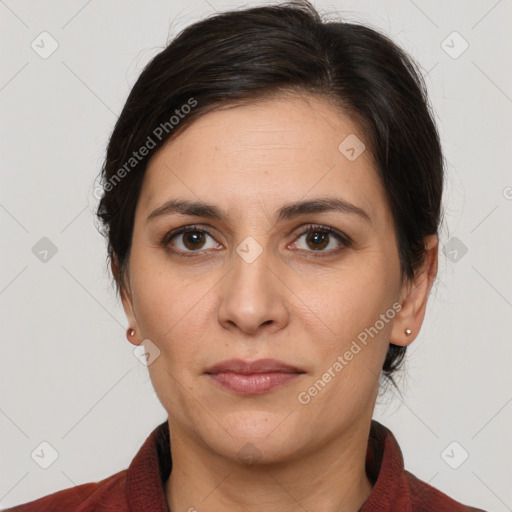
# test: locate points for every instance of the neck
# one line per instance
(330, 479)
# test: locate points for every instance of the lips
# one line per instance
(252, 377)
(249, 367)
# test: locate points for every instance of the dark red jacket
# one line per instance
(140, 488)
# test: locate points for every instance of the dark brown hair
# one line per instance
(250, 54)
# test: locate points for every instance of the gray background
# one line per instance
(69, 377)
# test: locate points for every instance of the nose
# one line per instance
(254, 296)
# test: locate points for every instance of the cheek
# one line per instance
(350, 300)
(349, 357)
(175, 311)
(164, 301)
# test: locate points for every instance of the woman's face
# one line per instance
(253, 284)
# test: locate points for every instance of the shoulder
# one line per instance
(426, 498)
(107, 494)
(395, 488)
(139, 486)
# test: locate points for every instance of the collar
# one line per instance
(151, 467)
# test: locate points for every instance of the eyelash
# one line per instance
(312, 228)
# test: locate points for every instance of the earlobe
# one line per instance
(414, 297)
(131, 332)
(130, 336)
(126, 300)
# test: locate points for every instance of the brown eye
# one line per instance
(193, 239)
(321, 239)
(189, 240)
(317, 240)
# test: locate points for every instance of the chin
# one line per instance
(258, 437)
(254, 425)
(251, 452)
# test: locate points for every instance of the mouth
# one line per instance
(253, 377)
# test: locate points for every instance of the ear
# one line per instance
(414, 295)
(126, 299)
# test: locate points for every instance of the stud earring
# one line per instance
(130, 332)
(408, 332)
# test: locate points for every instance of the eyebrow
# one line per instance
(287, 211)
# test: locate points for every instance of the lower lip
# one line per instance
(253, 383)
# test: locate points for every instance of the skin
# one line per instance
(291, 303)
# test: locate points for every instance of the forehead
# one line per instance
(263, 154)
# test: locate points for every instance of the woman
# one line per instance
(272, 194)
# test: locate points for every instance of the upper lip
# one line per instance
(247, 367)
